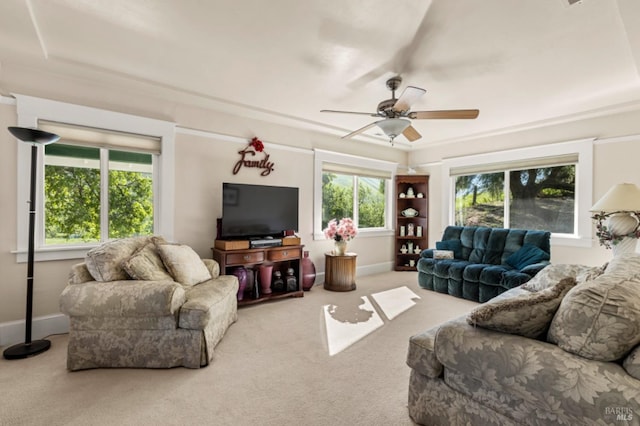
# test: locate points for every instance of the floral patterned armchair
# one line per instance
(142, 302)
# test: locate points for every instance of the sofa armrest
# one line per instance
(127, 298)
(427, 253)
(421, 355)
(213, 267)
(79, 274)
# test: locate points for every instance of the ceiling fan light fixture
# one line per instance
(393, 127)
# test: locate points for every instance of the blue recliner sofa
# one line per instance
(486, 261)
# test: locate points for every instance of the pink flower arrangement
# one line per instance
(341, 230)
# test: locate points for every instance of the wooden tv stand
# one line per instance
(282, 257)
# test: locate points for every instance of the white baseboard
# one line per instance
(12, 332)
(377, 268)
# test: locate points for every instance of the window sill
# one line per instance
(54, 253)
(571, 241)
(361, 234)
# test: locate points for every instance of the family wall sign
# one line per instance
(253, 149)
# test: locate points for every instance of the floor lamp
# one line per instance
(30, 347)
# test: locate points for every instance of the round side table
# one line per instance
(340, 272)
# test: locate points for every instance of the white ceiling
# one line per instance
(521, 63)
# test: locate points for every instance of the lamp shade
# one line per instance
(393, 127)
(27, 134)
(623, 197)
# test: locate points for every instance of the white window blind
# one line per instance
(521, 164)
(100, 138)
(355, 171)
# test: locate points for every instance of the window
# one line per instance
(355, 187)
(546, 187)
(74, 210)
(359, 197)
(119, 165)
(535, 198)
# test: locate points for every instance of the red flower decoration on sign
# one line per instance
(257, 144)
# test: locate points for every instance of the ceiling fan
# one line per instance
(395, 112)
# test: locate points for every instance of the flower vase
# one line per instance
(340, 248)
(308, 272)
(265, 278)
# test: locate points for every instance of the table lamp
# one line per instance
(620, 208)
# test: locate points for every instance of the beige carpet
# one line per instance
(272, 368)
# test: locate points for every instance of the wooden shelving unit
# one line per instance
(411, 231)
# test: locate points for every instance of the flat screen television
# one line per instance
(258, 211)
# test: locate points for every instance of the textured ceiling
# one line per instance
(521, 63)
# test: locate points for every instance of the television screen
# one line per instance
(258, 210)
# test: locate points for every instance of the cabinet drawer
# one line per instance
(242, 258)
(284, 254)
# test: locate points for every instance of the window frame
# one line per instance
(30, 111)
(322, 157)
(583, 148)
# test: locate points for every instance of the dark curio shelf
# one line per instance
(412, 195)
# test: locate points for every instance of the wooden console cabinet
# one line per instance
(283, 257)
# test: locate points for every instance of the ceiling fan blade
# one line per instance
(371, 114)
(408, 97)
(360, 130)
(445, 114)
(411, 134)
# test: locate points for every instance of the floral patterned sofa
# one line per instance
(561, 349)
(142, 302)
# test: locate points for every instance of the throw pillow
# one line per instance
(183, 263)
(527, 314)
(527, 255)
(443, 254)
(145, 264)
(599, 319)
(551, 274)
(105, 261)
(631, 363)
(454, 245)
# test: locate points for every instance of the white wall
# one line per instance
(203, 160)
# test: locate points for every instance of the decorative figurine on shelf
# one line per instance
(292, 282)
(410, 193)
(403, 249)
(410, 229)
(278, 282)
